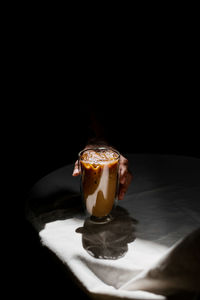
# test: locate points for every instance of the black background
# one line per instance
(145, 89)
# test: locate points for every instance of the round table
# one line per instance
(160, 209)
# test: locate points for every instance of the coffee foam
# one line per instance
(102, 156)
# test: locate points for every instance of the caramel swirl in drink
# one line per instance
(99, 179)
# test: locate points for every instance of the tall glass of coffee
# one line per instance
(99, 182)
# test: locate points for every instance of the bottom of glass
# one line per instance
(101, 220)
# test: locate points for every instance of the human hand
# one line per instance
(76, 171)
(125, 177)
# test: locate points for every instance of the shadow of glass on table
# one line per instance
(110, 240)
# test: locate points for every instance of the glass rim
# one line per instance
(100, 148)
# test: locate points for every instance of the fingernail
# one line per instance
(75, 172)
(121, 196)
(123, 180)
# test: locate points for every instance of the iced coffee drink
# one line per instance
(99, 168)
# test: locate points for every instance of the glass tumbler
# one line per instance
(99, 182)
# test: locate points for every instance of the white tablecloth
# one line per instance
(150, 250)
